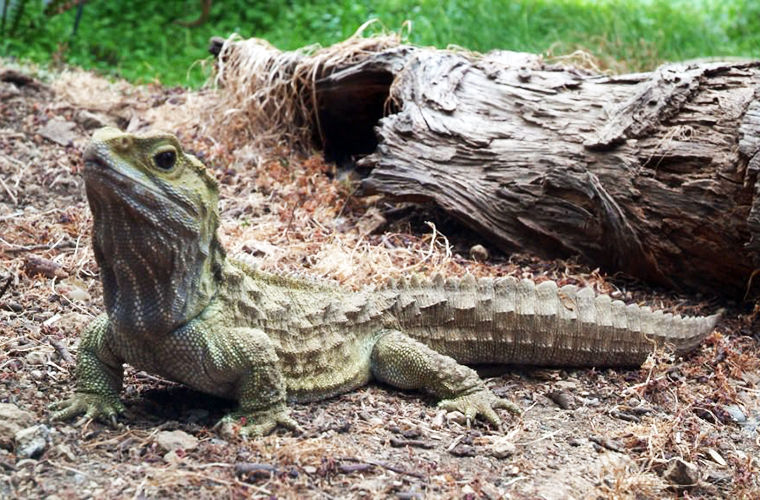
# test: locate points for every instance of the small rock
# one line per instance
(250, 470)
(309, 469)
(575, 442)
(59, 131)
(467, 490)
(719, 477)
(682, 473)
(409, 495)
(32, 441)
(479, 253)
(74, 292)
(92, 120)
(37, 374)
(503, 447)
(35, 358)
(490, 491)
(12, 420)
(65, 450)
(463, 450)
(176, 440)
(568, 385)
(439, 419)
(592, 402)
(174, 456)
(736, 413)
(563, 399)
(456, 417)
(376, 421)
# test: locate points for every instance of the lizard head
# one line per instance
(155, 219)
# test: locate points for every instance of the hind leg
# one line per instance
(403, 362)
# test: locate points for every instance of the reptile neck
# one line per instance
(156, 276)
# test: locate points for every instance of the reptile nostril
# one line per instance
(124, 142)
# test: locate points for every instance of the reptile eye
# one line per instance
(165, 160)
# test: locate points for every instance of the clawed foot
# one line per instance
(258, 423)
(481, 402)
(95, 406)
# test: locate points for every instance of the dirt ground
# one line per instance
(686, 427)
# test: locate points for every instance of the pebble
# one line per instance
(12, 420)
(176, 440)
(60, 131)
(65, 450)
(503, 447)
(478, 253)
(32, 441)
(174, 457)
(456, 417)
(736, 413)
(463, 450)
(563, 399)
(35, 358)
(75, 293)
(682, 473)
(91, 121)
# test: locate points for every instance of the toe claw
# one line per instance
(480, 402)
(263, 422)
(87, 404)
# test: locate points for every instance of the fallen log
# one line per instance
(653, 174)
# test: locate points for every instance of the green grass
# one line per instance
(140, 41)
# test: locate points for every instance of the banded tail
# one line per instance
(507, 321)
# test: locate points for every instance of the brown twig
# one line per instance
(387, 466)
(606, 443)
(32, 248)
(6, 286)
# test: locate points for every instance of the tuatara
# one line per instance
(178, 307)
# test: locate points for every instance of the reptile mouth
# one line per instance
(110, 179)
(99, 172)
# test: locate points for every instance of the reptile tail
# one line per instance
(504, 320)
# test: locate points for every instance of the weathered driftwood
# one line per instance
(654, 174)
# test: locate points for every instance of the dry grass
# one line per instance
(268, 94)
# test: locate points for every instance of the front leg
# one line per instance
(260, 386)
(403, 362)
(99, 376)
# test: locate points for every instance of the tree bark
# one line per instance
(654, 174)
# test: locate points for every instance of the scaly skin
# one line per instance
(178, 307)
